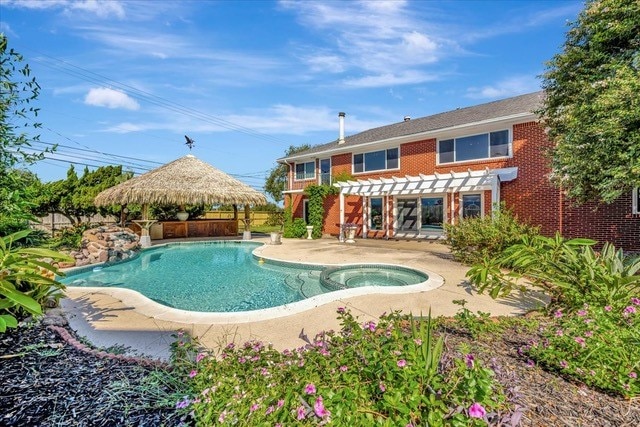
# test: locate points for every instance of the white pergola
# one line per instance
(438, 183)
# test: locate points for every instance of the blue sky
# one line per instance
(247, 79)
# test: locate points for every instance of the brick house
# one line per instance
(409, 178)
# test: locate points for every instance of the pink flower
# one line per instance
(280, 403)
(563, 364)
(402, 363)
(582, 313)
(341, 310)
(629, 310)
(635, 301)
(370, 326)
(343, 368)
(477, 411)
(418, 341)
(254, 407)
(632, 374)
(607, 308)
(383, 387)
(199, 357)
(588, 334)
(310, 388)
(269, 410)
(300, 413)
(469, 360)
(319, 408)
(559, 332)
(193, 373)
(222, 416)
(580, 341)
(531, 363)
(558, 313)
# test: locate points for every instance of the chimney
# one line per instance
(407, 118)
(341, 121)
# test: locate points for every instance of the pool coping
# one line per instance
(155, 310)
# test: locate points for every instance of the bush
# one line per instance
(569, 271)
(390, 373)
(69, 238)
(473, 239)
(597, 345)
(295, 229)
(26, 281)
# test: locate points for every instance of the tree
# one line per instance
(18, 90)
(73, 196)
(592, 106)
(277, 180)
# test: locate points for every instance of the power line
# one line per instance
(93, 77)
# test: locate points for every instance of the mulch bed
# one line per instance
(45, 381)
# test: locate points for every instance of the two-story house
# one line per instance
(411, 177)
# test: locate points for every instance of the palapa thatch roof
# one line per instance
(185, 181)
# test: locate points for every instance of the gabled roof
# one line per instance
(523, 104)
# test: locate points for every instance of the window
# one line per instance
(325, 171)
(635, 201)
(305, 170)
(375, 208)
(474, 147)
(471, 206)
(305, 210)
(376, 160)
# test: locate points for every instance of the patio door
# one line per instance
(407, 214)
(432, 215)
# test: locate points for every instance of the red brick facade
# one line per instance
(530, 196)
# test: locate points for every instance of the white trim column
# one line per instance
(365, 216)
(341, 216)
(495, 195)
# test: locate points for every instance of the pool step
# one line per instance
(310, 283)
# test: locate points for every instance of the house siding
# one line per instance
(531, 196)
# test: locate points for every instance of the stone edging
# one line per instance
(72, 341)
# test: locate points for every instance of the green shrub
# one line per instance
(69, 238)
(597, 345)
(296, 229)
(473, 239)
(391, 373)
(26, 281)
(569, 271)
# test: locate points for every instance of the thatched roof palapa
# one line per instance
(185, 181)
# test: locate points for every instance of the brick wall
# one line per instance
(530, 196)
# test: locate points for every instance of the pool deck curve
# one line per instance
(107, 318)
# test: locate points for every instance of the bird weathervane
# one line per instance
(190, 142)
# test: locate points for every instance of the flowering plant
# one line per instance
(389, 372)
(597, 345)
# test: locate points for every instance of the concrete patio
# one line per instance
(105, 320)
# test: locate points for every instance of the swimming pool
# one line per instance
(225, 276)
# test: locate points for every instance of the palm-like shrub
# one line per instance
(26, 281)
(570, 271)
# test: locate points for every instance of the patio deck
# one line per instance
(105, 320)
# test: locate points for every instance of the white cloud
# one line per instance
(100, 8)
(105, 97)
(512, 86)
(390, 79)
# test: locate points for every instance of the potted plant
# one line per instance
(276, 218)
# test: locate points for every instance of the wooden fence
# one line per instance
(57, 221)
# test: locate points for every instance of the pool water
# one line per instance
(221, 277)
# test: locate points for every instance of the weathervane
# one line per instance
(190, 142)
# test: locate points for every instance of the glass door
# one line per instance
(407, 214)
(432, 215)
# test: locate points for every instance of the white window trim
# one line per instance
(635, 201)
(484, 159)
(353, 163)
(304, 179)
(320, 170)
(461, 207)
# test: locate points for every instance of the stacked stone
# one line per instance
(106, 244)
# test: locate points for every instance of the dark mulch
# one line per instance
(544, 398)
(46, 382)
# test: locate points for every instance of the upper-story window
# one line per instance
(474, 147)
(325, 171)
(375, 160)
(305, 171)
